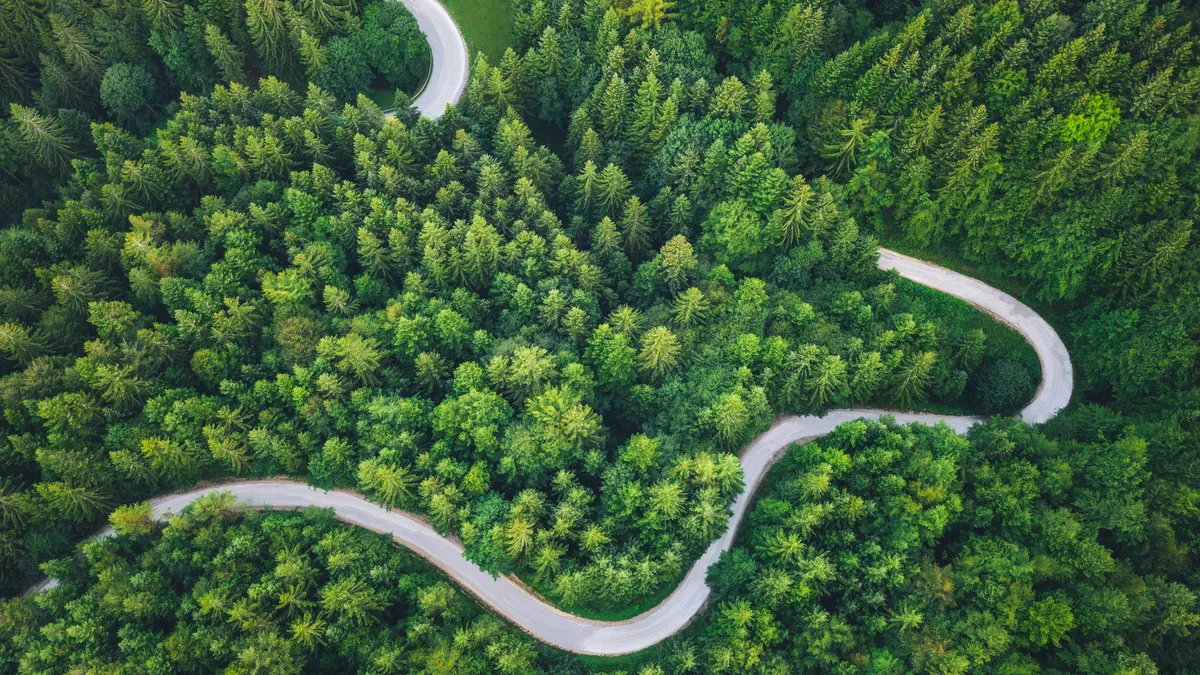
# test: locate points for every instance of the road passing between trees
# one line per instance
(542, 620)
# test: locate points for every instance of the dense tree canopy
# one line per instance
(423, 322)
(1051, 142)
(549, 319)
(219, 591)
(128, 62)
(885, 550)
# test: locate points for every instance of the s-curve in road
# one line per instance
(584, 636)
(448, 51)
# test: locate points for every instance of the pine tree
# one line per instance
(869, 373)
(481, 252)
(626, 319)
(390, 484)
(44, 138)
(690, 309)
(500, 90)
(680, 217)
(512, 68)
(635, 227)
(164, 15)
(591, 148)
(613, 105)
(660, 351)
(76, 48)
(550, 57)
(608, 33)
(606, 239)
(225, 55)
(14, 80)
(22, 23)
(802, 34)
(668, 114)
(587, 188)
(729, 99)
(678, 261)
(827, 383)
(651, 13)
(795, 218)
(324, 16)
(908, 386)
(373, 256)
(852, 139)
(698, 96)
(268, 31)
(645, 116)
(267, 155)
(764, 97)
(75, 502)
(18, 344)
(529, 24)
(62, 87)
(612, 189)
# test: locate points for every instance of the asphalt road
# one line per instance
(553, 626)
(448, 75)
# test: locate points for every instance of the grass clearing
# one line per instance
(485, 24)
(628, 612)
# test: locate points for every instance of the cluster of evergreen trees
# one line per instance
(555, 353)
(219, 590)
(880, 549)
(441, 314)
(1048, 142)
(83, 60)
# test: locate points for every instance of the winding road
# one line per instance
(584, 636)
(448, 72)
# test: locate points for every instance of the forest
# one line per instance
(83, 61)
(549, 320)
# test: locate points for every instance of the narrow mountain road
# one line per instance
(448, 70)
(606, 638)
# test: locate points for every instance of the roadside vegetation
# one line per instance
(486, 25)
(253, 592)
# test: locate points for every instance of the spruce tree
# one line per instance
(613, 104)
(225, 54)
(43, 137)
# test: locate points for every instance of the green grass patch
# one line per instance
(485, 24)
(1054, 313)
(632, 610)
(385, 97)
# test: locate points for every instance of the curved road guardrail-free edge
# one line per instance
(447, 77)
(602, 638)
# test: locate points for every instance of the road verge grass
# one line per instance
(486, 25)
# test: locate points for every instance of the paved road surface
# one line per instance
(597, 637)
(448, 75)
